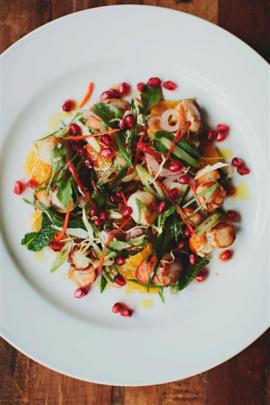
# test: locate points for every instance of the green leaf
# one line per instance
(122, 149)
(103, 283)
(150, 96)
(64, 191)
(107, 113)
(36, 241)
(61, 257)
(163, 145)
(161, 295)
(190, 273)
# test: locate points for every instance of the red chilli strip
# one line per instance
(180, 133)
(138, 149)
(75, 176)
(147, 149)
(123, 198)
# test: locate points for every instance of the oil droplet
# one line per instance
(41, 257)
(55, 119)
(242, 192)
(147, 303)
(227, 153)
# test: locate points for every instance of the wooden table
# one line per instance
(243, 380)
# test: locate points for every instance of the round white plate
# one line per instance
(205, 324)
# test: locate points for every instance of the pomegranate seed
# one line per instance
(154, 82)
(174, 193)
(120, 280)
(19, 187)
(233, 216)
(68, 105)
(140, 86)
(221, 136)
(211, 135)
(182, 244)
(116, 198)
(154, 232)
(202, 276)
(74, 129)
(107, 153)
(98, 222)
(103, 215)
(184, 179)
(130, 121)
(169, 85)
(32, 183)
(81, 292)
(162, 207)
(193, 259)
(119, 260)
(127, 312)
(175, 166)
(56, 246)
(93, 212)
(122, 124)
(226, 255)
(243, 170)
(88, 163)
(106, 140)
(127, 212)
(112, 93)
(223, 128)
(117, 307)
(187, 233)
(124, 89)
(237, 162)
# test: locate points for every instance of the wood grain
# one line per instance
(243, 380)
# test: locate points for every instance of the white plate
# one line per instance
(205, 324)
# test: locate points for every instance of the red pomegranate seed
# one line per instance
(175, 166)
(124, 89)
(81, 292)
(140, 86)
(56, 246)
(32, 183)
(107, 153)
(120, 280)
(88, 163)
(112, 93)
(193, 259)
(169, 85)
(98, 222)
(187, 233)
(103, 215)
(182, 244)
(226, 255)
(237, 162)
(154, 82)
(68, 105)
(93, 212)
(174, 193)
(19, 187)
(74, 129)
(221, 136)
(162, 207)
(233, 216)
(127, 212)
(126, 312)
(185, 179)
(119, 260)
(122, 124)
(116, 198)
(211, 135)
(202, 276)
(130, 121)
(117, 307)
(106, 140)
(243, 170)
(223, 128)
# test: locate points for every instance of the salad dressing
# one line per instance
(147, 303)
(242, 192)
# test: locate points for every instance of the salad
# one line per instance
(130, 190)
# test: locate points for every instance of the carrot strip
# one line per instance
(81, 137)
(123, 198)
(61, 234)
(102, 257)
(87, 95)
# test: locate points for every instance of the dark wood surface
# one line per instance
(243, 380)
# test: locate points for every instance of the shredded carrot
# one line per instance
(61, 234)
(87, 95)
(81, 137)
(104, 253)
(138, 150)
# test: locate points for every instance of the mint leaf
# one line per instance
(121, 146)
(150, 96)
(107, 113)
(64, 193)
(36, 241)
